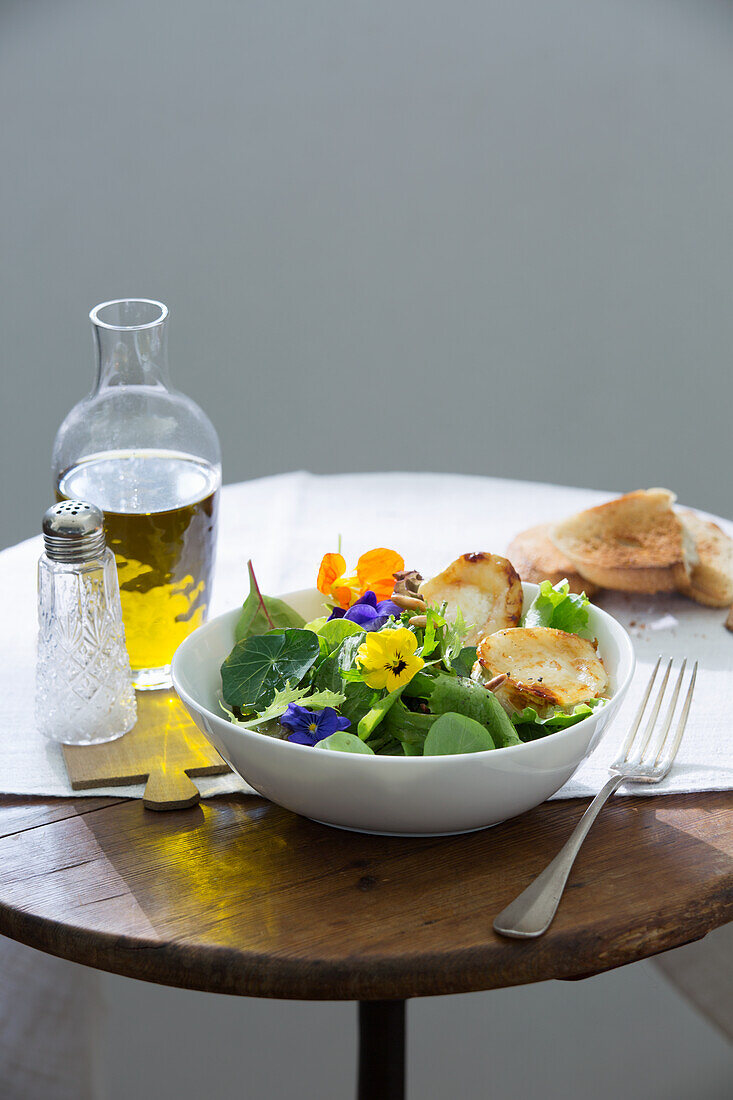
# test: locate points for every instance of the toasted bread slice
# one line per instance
(711, 578)
(536, 558)
(636, 543)
(485, 587)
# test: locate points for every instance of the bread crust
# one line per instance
(635, 543)
(536, 558)
(711, 578)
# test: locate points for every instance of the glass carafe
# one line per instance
(149, 457)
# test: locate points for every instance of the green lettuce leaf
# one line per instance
(336, 631)
(530, 725)
(559, 608)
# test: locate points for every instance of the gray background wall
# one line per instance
(517, 214)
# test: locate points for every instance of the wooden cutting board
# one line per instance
(163, 750)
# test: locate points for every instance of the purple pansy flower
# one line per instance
(367, 612)
(311, 726)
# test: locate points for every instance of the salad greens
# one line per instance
(559, 608)
(261, 613)
(261, 665)
(374, 678)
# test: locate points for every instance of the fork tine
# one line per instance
(623, 752)
(683, 720)
(663, 733)
(646, 737)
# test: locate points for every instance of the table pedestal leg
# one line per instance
(381, 1050)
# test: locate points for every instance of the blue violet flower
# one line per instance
(311, 726)
(367, 612)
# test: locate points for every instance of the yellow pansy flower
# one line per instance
(387, 658)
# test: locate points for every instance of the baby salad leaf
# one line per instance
(454, 638)
(457, 694)
(377, 713)
(316, 624)
(343, 741)
(531, 726)
(455, 733)
(315, 700)
(261, 613)
(326, 675)
(260, 666)
(335, 631)
(359, 699)
(559, 608)
(410, 727)
(463, 663)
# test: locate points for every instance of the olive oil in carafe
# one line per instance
(160, 512)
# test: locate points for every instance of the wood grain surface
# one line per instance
(163, 750)
(239, 896)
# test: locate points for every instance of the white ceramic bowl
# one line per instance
(410, 796)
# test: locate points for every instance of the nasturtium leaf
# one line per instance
(260, 666)
(455, 733)
(262, 613)
(342, 741)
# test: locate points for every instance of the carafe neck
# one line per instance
(131, 342)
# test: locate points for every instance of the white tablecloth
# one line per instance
(286, 523)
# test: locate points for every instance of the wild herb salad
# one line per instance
(394, 667)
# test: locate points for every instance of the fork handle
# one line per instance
(532, 912)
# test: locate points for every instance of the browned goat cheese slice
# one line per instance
(485, 587)
(544, 668)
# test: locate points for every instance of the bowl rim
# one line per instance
(623, 637)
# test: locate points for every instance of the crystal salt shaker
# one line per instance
(84, 692)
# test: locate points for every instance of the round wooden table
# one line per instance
(238, 896)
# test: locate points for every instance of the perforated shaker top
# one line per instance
(73, 531)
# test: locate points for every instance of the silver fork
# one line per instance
(532, 912)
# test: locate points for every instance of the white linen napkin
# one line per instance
(286, 523)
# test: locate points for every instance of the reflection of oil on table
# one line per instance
(164, 750)
(238, 896)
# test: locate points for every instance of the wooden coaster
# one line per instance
(164, 748)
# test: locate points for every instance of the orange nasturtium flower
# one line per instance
(376, 570)
(332, 582)
(374, 573)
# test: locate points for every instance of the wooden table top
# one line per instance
(238, 896)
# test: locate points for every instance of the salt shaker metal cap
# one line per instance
(73, 531)
(84, 692)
